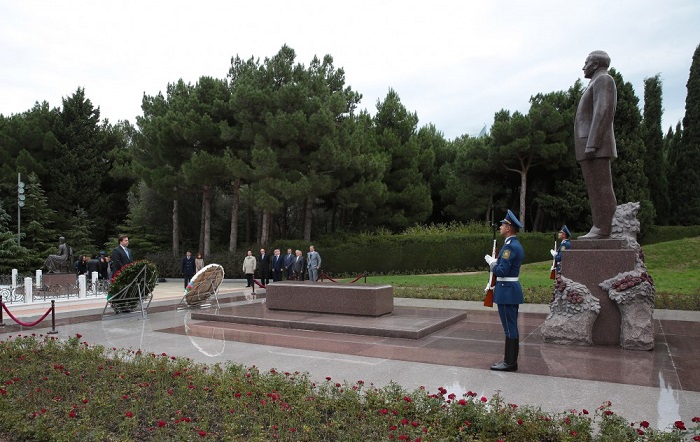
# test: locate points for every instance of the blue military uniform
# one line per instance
(508, 293)
(565, 245)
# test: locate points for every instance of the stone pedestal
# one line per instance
(590, 262)
(64, 279)
(344, 299)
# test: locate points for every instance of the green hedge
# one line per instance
(405, 254)
(659, 234)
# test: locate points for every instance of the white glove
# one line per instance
(490, 260)
(553, 253)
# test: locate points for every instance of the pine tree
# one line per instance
(687, 174)
(629, 181)
(38, 219)
(654, 158)
(672, 150)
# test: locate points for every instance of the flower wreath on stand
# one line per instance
(124, 285)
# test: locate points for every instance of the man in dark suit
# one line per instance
(277, 261)
(188, 267)
(121, 255)
(508, 293)
(595, 142)
(264, 266)
(288, 262)
(299, 266)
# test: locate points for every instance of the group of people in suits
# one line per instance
(292, 266)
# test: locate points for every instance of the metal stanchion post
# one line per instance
(365, 277)
(2, 322)
(53, 318)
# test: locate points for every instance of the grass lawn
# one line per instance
(674, 265)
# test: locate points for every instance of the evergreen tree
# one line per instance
(12, 255)
(37, 220)
(654, 158)
(409, 199)
(687, 177)
(673, 151)
(629, 182)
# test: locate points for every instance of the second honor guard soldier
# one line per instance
(565, 244)
(508, 293)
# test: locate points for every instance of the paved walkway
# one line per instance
(660, 386)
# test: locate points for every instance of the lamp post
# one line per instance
(20, 202)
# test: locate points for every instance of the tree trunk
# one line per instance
(308, 218)
(207, 220)
(233, 238)
(265, 229)
(176, 229)
(202, 222)
(523, 192)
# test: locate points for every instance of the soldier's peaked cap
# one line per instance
(512, 220)
(566, 231)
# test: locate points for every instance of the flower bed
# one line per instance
(70, 390)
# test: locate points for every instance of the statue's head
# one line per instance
(595, 61)
(61, 239)
(601, 57)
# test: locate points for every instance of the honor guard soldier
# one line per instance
(564, 235)
(508, 293)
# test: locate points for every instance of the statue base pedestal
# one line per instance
(590, 262)
(64, 279)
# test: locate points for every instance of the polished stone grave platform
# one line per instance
(344, 299)
(404, 322)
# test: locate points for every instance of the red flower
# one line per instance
(293, 430)
(520, 421)
(696, 438)
(202, 433)
(78, 335)
(407, 399)
(328, 378)
(71, 414)
(680, 425)
(161, 423)
(640, 432)
(644, 424)
(696, 419)
(462, 402)
(585, 411)
(483, 399)
(129, 414)
(608, 413)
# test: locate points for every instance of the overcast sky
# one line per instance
(454, 63)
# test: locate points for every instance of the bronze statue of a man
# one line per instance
(61, 261)
(595, 141)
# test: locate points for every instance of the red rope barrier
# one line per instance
(323, 275)
(258, 284)
(26, 324)
(358, 278)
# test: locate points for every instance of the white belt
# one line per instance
(507, 279)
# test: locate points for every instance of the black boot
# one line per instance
(510, 362)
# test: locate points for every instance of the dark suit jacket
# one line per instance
(593, 125)
(119, 258)
(288, 261)
(300, 265)
(188, 267)
(277, 262)
(264, 264)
